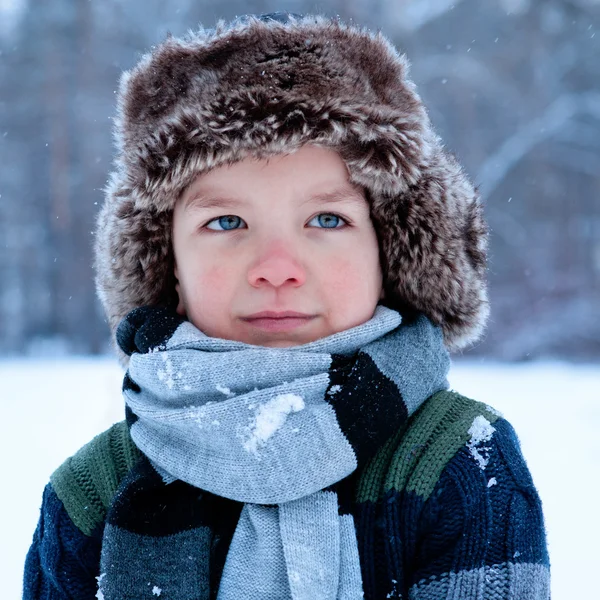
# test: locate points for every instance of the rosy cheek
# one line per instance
(217, 278)
(340, 275)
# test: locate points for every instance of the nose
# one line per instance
(277, 265)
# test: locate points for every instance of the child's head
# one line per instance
(273, 112)
(289, 233)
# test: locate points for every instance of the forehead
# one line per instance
(310, 173)
(205, 198)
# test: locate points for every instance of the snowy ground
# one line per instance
(52, 408)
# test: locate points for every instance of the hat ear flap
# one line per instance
(434, 239)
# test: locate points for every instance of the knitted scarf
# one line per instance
(275, 429)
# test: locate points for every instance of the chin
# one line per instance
(283, 344)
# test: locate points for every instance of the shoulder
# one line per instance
(450, 430)
(447, 429)
(461, 478)
(66, 546)
(438, 431)
(87, 481)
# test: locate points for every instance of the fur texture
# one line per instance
(260, 87)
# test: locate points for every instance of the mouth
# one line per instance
(278, 324)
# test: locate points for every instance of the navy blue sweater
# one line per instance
(447, 508)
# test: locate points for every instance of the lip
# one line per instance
(271, 314)
(273, 321)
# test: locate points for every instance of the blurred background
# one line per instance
(513, 88)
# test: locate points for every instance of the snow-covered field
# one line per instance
(51, 408)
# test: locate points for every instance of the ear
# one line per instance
(180, 310)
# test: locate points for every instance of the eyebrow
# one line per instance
(206, 200)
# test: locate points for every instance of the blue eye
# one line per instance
(227, 222)
(326, 221)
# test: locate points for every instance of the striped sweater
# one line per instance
(446, 509)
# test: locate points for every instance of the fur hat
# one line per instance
(266, 85)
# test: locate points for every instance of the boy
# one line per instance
(285, 256)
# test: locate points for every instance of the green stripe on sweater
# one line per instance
(87, 482)
(439, 430)
(414, 459)
(372, 478)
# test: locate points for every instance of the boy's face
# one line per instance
(275, 244)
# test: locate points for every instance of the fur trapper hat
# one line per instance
(266, 85)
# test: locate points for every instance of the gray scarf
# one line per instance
(275, 427)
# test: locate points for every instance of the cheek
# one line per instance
(217, 279)
(356, 273)
(341, 275)
(203, 280)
